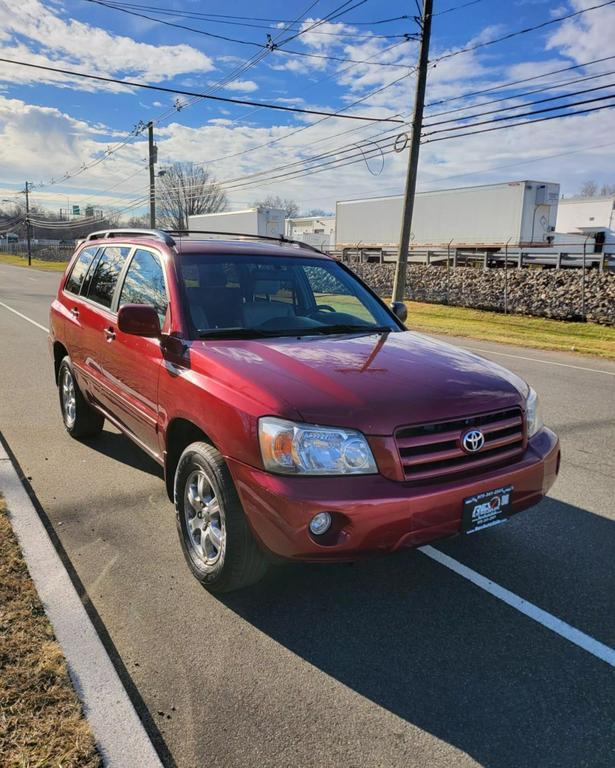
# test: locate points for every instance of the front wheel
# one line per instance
(80, 419)
(215, 537)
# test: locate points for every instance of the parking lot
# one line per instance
(389, 662)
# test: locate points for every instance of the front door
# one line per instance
(133, 362)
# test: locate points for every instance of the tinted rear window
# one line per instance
(102, 285)
(80, 270)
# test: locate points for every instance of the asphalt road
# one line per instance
(392, 662)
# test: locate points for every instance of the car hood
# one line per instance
(370, 382)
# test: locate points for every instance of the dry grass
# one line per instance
(16, 260)
(41, 720)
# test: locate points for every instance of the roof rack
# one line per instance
(158, 234)
(165, 236)
(280, 240)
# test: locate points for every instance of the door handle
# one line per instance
(109, 334)
(75, 312)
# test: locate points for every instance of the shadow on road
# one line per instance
(117, 446)
(438, 652)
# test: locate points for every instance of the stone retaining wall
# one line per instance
(556, 293)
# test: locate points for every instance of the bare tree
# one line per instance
(589, 188)
(185, 190)
(138, 222)
(290, 207)
(607, 189)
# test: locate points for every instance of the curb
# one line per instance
(119, 733)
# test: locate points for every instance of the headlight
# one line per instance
(533, 413)
(304, 449)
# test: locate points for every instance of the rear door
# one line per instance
(98, 321)
(71, 311)
(133, 362)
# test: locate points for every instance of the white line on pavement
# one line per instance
(474, 349)
(24, 317)
(587, 643)
(536, 360)
(558, 626)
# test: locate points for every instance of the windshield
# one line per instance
(252, 296)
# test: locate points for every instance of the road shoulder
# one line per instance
(118, 731)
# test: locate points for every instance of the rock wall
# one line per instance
(556, 293)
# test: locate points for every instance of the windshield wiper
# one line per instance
(237, 333)
(348, 328)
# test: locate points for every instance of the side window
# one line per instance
(330, 291)
(80, 270)
(103, 281)
(144, 283)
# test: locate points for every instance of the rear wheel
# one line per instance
(80, 419)
(216, 540)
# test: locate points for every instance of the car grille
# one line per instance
(432, 452)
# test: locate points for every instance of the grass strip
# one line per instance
(533, 332)
(41, 719)
(16, 260)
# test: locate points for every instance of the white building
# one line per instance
(588, 216)
(318, 231)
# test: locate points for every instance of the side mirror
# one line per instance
(139, 320)
(400, 310)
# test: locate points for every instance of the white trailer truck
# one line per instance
(522, 213)
(268, 222)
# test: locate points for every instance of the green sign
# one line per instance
(76, 210)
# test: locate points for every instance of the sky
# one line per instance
(53, 126)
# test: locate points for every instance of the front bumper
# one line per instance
(374, 514)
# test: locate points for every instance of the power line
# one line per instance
(525, 122)
(524, 31)
(238, 41)
(224, 99)
(512, 83)
(456, 8)
(549, 87)
(243, 21)
(527, 103)
(521, 114)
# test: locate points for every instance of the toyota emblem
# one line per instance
(473, 441)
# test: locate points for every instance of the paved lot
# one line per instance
(392, 662)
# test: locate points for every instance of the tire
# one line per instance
(219, 547)
(80, 419)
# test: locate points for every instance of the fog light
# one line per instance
(320, 523)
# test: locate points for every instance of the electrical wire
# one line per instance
(241, 21)
(525, 104)
(456, 7)
(224, 99)
(524, 31)
(238, 41)
(521, 114)
(525, 122)
(548, 87)
(512, 83)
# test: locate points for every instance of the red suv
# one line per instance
(292, 411)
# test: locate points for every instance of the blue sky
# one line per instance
(51, 125)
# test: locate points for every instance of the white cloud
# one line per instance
(38, 33)
(244, 86)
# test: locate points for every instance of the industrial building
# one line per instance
(318, 231)
(588, 216)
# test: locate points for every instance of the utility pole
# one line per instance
(153, 159)
(28, 235)
(399, 287)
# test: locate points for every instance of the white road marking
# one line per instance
(536, 360)
(24, 317)
(568, 632)
(587, 643)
